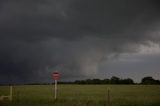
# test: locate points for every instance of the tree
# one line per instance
(106, 81)
(149, 80)
(115, 80)
(126, 81)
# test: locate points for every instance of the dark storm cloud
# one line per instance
(73, 36)
(32, 20)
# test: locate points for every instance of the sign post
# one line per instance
(55, 76)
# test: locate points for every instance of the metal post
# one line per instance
(55, 90)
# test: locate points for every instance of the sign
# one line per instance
(55, 75)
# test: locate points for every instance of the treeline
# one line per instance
(113, 80)
(149, 80)
(117, 80)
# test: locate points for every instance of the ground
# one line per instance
(83, 95)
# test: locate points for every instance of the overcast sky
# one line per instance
(79, 38)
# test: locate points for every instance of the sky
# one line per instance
(81, 39)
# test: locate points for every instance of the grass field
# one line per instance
(83, 95)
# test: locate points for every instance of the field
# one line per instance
(83, 95)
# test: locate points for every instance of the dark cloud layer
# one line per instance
(75, 37)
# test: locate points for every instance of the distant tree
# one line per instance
(149, 80)
(97, 81)
(89, 81)
(157, 81)
(106, 81)
(126, 81)
(115, 80)
(80, 82)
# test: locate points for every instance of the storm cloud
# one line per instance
(80, 38)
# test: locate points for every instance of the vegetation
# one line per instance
(113, 80)
(83, 95)
(94, 92)
(149, 80)
(116, 80)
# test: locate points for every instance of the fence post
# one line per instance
(11, 91)
(108, 98)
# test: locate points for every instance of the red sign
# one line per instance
(55, 75)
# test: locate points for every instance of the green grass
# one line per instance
(83, 95)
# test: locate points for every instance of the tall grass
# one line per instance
(83, 95)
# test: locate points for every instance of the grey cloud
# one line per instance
(73, 36)
(32, 20)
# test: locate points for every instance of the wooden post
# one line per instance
(109, 104)
(11, 91)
